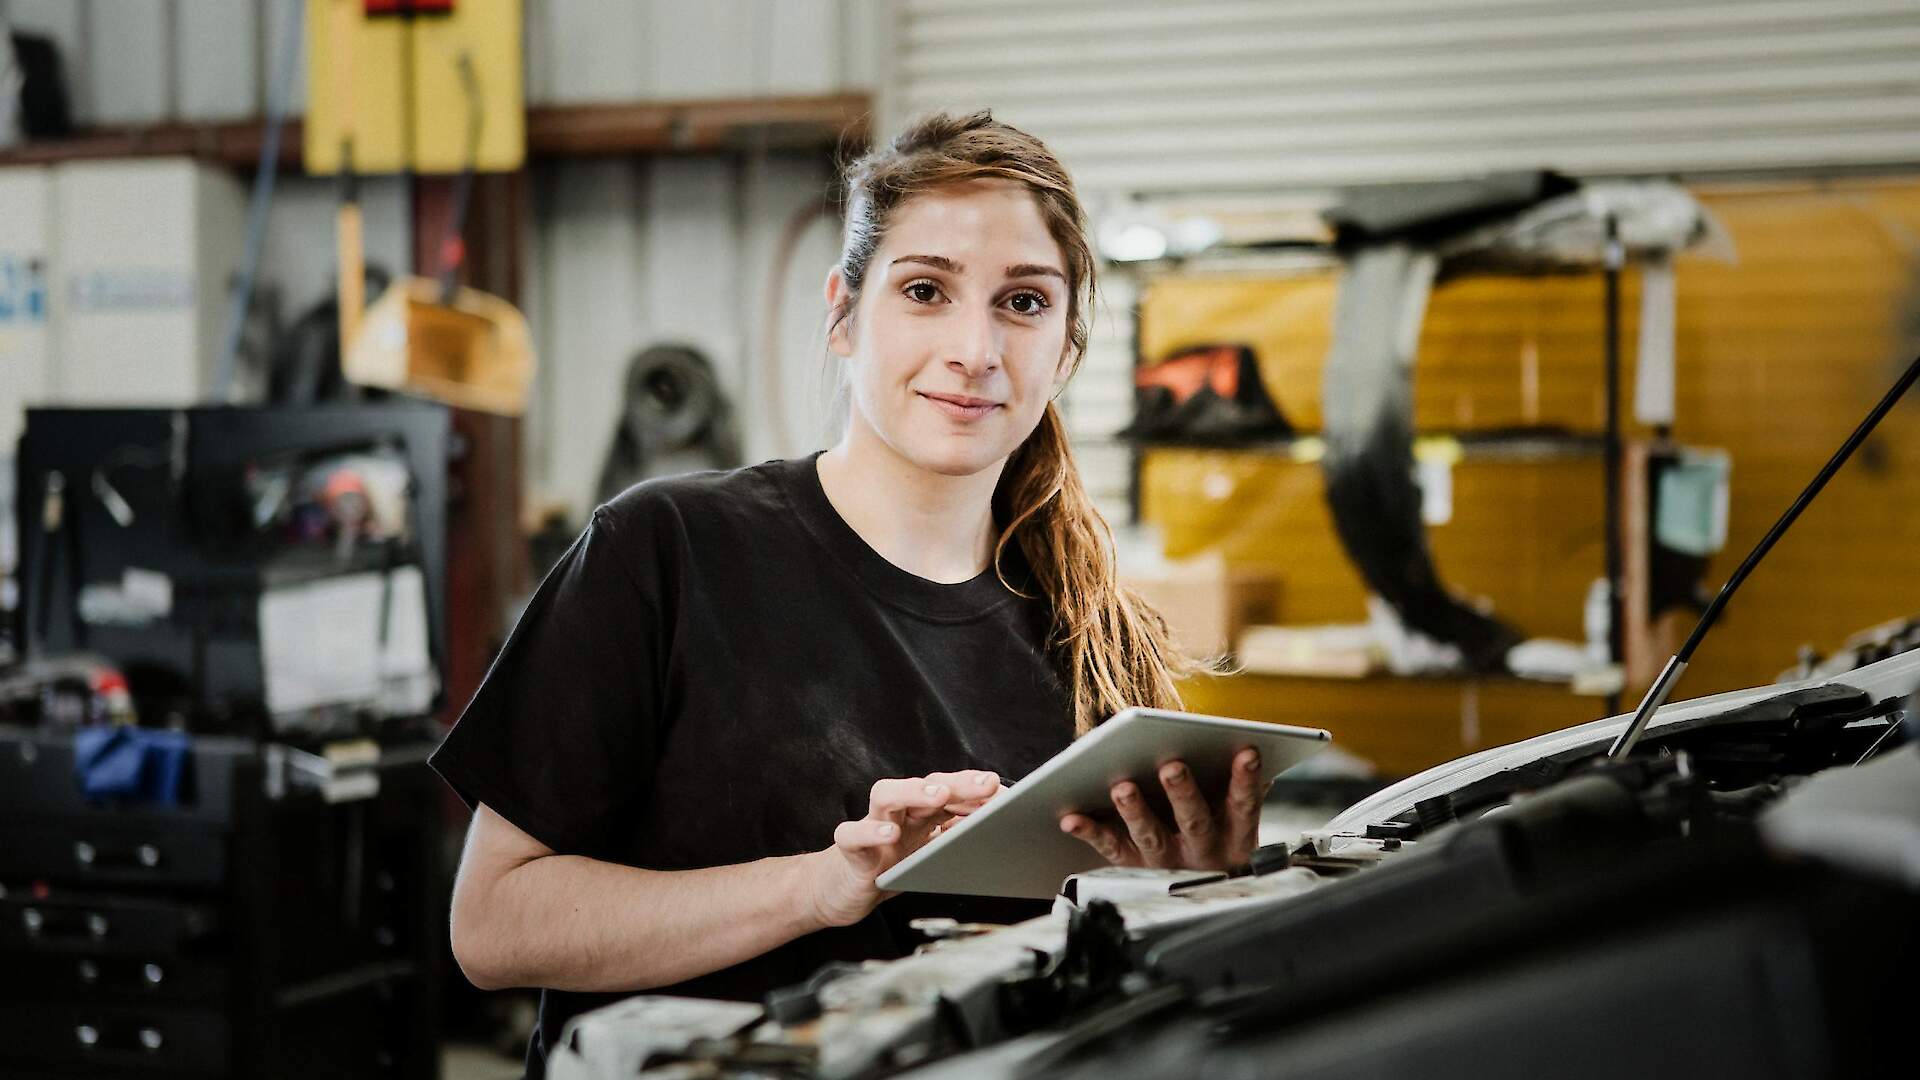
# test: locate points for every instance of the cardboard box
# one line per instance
(1331, 652)
(1207, 603)
(26, 271)
(144, 252)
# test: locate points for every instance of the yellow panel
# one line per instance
(1524, 539)
(1779, 355)
(367, 105)
(488, 31)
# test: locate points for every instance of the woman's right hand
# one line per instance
(901, 816)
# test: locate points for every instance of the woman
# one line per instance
(741, 696)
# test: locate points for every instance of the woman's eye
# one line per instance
(1035, 303)
(924, 291)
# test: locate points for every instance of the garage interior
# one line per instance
(1447, 360)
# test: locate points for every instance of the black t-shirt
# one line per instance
(718, 670)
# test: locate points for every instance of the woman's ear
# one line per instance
(838, 338)
(1064, 370)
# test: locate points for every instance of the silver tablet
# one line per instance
(1013, 846)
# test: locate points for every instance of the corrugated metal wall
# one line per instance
(1148, 97)
(1145, 96)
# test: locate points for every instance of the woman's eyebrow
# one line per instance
(938, 262)
(941, 262)
(1034, 270)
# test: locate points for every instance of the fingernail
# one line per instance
(1253, 763)
(888, 830)
(1126, 792)
(984, 779)
(1178, 773)
(936, 789)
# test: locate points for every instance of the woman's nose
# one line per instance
(976, 346)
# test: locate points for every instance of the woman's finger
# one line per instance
(1149, 836)
(1191, 814)
(1243, 803)
(866, 842)
(1104, 839)
(865, 834)
(963, 808)
(973, 784)
(914, 799)
(969, 792)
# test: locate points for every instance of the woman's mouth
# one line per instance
(960, 406)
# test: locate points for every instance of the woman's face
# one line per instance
(959, 338)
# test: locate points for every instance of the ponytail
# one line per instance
(1112, 649)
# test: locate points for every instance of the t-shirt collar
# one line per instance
(960, 600)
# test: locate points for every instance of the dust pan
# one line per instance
(472, 350)
(437, 338)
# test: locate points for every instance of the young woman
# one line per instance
(741, 696)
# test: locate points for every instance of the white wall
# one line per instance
(618, 50)
(298, 254)
(628, 254)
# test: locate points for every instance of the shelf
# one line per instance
(236, 144)
(812, 122)
(1386, 678)
(1492, 446)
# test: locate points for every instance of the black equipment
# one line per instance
(172, 496)
(45, 111)
(266, 901)
(255, 929)
(674, 418)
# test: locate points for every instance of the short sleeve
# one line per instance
(561, 737)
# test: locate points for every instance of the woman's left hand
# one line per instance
(1204, 835)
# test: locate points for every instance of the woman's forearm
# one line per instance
(567, 922)
(524, 915)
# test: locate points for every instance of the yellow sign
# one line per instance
(405, 90)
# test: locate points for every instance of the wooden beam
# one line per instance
(717, 125)
(236, 144)
(698, 126)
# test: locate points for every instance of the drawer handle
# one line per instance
(36, 924)
(89, 856)
(151, 975)
(149, 1038)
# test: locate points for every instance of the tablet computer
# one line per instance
(1013, 845)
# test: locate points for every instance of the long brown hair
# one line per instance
(1111, 648)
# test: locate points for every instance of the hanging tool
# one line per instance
(437, 337)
